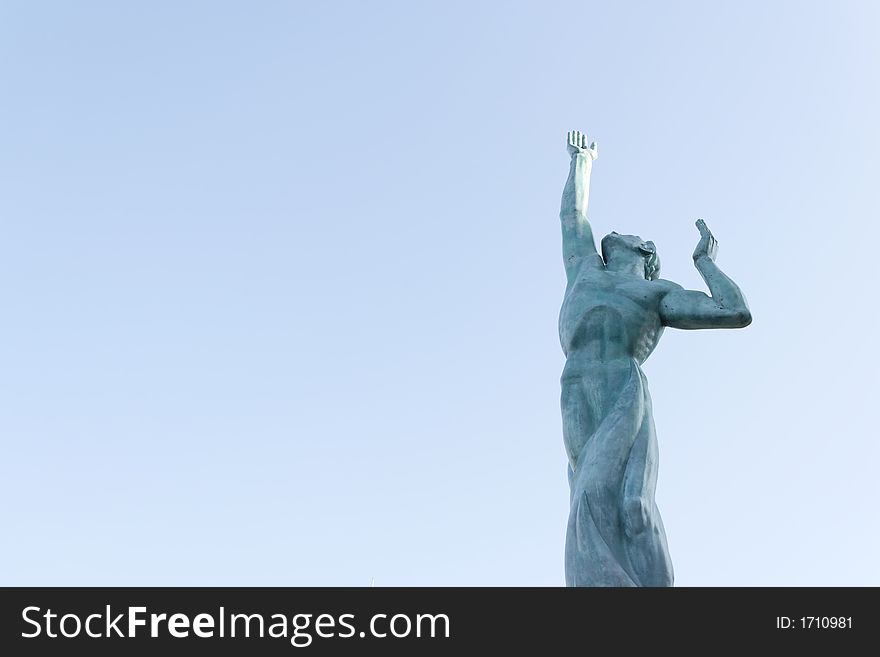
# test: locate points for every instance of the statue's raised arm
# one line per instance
(691, 309)
(578, 246)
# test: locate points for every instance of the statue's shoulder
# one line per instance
(589, 276)
(665, 286)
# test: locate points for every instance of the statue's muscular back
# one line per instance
(609, 316)
(607, 320)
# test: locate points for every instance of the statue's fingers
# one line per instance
(703, 228)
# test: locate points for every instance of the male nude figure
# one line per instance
(614, 310)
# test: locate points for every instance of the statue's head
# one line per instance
(629, 248)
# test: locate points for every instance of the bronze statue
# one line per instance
(614, 311)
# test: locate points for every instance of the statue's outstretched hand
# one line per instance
(577, 143)
(708, 245)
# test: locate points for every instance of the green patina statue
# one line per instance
(614, 311)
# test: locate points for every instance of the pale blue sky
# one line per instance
(279, 284)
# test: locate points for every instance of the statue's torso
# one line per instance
(608, 316)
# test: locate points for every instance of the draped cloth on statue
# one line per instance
(615, 535)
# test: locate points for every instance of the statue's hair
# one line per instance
(652, 261)
(649, 252)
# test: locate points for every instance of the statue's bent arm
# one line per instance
(690, 309)
(578, 245)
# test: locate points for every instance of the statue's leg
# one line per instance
(646, 544)
(595, 551)
(577, 426)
